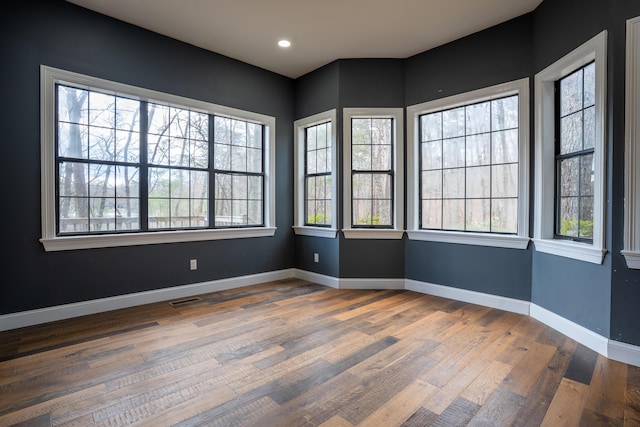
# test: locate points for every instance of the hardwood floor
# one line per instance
(294, 353)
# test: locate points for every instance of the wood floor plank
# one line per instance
(607, 390)
(567, 404)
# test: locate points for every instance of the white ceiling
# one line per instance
(320, 31)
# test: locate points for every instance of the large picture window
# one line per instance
(468, 167)
(121, 164)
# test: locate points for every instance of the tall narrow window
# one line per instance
(317, 176)
(373, 196)
(570, 100)
(575, 138)
(178, 159)
(315, 185)
(239, 177)
(372, 173)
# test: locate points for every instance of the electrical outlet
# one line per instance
(316, 258)
(193, 264)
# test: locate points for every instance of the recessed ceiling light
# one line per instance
(284, 43)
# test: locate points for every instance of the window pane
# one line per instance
(478, 118)
(431, 126)
(504, 215)
(569, 209)
(453, 152)
(571, 133)
(478, 150)
(504, 113)
(453, 181)
(432, 184)
(178, 152)
(569, 175)
(504, 180)
(127, 146)
(589, 129)
(431, 155)
(73, 141)
(571, 93)
(381, 157)
(504, 148)
(102, 110)
(478, 182)
(453, 214)
(586, 217)
(158, 150)
(587, 170)
(362, 212)
(381, 210)
(478, 215)
(361, 157)
(159, 182)
(362, 186)
(589, 85)
(431, 214)
(73, 105)
(453, 123)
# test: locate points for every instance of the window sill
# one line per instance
(133, 239)
(352, 233)
(478, 239)
(633, 258)
(568, 249)
(329, 233)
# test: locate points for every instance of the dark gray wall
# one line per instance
(317, 92)
(594, 296)
(625, 283)
(59, 34)
(497, 55)
(371, 83)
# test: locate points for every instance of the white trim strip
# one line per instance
(321, 279)
(623, 352)
(584, 336)
(66, 311)
(372, 283)
(473, 297)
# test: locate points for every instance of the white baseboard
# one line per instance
(372, 283)
(66, 311)
(320, 279)
(473, 297)
(623, 352)
(584, 336)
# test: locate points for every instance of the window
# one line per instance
(631, 250)
(127, 166)
(315, 167)
(575, 132)
(468, 174)
(570, 154)
(373, 173)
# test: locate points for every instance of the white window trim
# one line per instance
(300, 126)
(518, 241)
(48, 78)
(631, 249)
(397, 231)
(594, 49)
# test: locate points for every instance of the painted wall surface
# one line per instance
(497, 55)
(578, 291)
(371, 83)
(317, 92)
(625, 282)
(59, 34)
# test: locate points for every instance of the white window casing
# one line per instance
(49, 77)
(544, 211)
(300, 126)
(631, 249)
(520, 240)
(397, 230)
